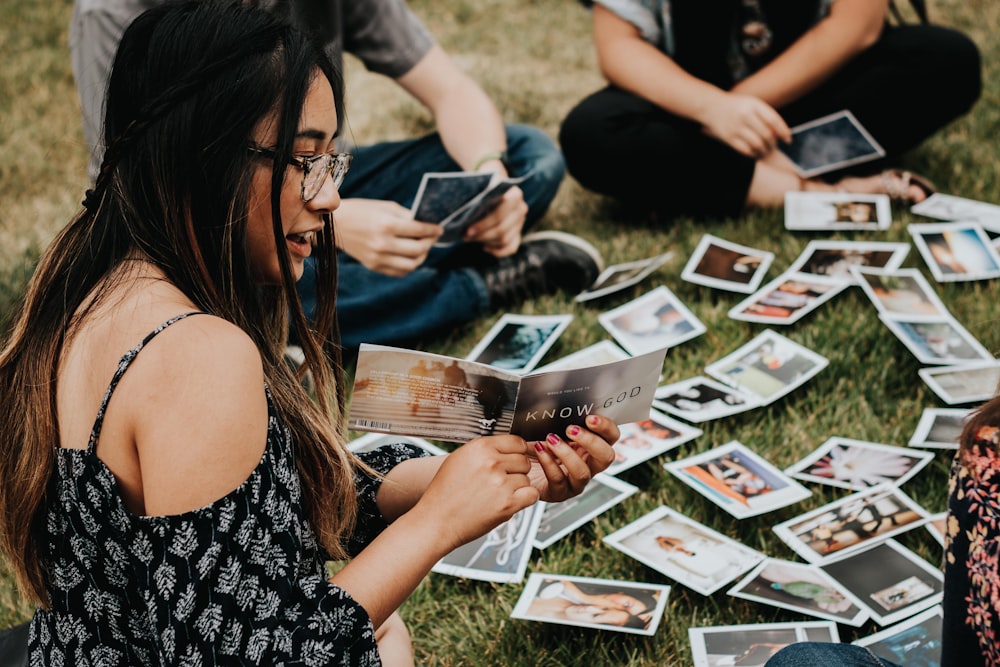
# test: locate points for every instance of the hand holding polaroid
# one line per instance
(457, 199)
(830, 143)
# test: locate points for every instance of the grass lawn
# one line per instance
(536, 60)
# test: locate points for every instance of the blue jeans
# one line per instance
(818, 654)
(445, 291)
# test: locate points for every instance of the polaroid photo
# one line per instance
(852, 523)
(937, 526)
(830, 211)
(560, 519)
(768, 367)
(738, 480)
(940, 428)
(653, 321)
(956, 251)
(787, 299)
(940, 342)
(799, 587)
(952, 209)
(728, 266)
(834, 259)
(440, 194)
(643, 440)
(619, 276)
(701, 399)
(597, 354)
(516, 343)
(888, 580)
(858, 464)
(902, 292)
(684, 550)
(830, 143)
(915, 641)
(372, 441)
(584, 602)
(473, 211)
(500, 556)
(965, 383)
(752, 645)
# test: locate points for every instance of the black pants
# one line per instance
(912, 82)
(14, 646)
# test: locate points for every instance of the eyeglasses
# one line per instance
(315, 169)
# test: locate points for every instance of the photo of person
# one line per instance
(829, 211)
(857, 464)
(961, 384)
(900, 291)
(835, 258)
(888, 580)
(939, 428)
(684, 550)
(724, 265)
(654, 320)
(700, 399)
(752, 645)
(516, 343)
(849, 524)
(594, 603)
(944, 342)
(737, 480)
(855, 211)
(799, 587)
(560, 519)
(500, 556)
(956, 251)
(787, 299)
(648, 438)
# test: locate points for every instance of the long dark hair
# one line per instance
(190, 83)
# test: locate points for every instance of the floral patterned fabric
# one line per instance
(972, 556)
(240, 581)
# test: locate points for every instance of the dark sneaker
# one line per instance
(546, 263)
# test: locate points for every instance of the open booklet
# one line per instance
(405, 392)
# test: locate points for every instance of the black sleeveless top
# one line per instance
(240, 581)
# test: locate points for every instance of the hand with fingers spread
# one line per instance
(747, 124)
(500, 231)
(562, 466)
(383, 236)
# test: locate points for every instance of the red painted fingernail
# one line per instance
(539, 447)
(573, 430)
(552, 438)
(592, 419)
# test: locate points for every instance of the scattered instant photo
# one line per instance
(941, 342)
(653, 321)
(834, 259)
(684, 550)
(500, 556)
(516, 343)
(799, 587)
(888, 580)
(852, 523)
(787, 299)
(940, 428)
(640, 441)
(830, 211)
(593, 355)
(768, 367)
(858, 464)
(701, 399)
(602, 604)
(952, 208)
(965, 383)
(738, 480)
(915, 642)
(619, 276)
(956, 251)
(728, 266)
(372, 441)
(830, 143)
(903, 292)
(560, 519)
(752, 645)
(937, 526)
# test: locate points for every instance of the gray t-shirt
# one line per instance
(384, 34)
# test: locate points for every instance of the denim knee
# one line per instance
(821, 654)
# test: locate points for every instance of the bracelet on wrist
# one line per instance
(489, 157)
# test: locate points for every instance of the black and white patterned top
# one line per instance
(240, 581)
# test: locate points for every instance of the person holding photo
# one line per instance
(700, 94)
(169, 492)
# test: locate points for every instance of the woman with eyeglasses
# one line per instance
(701, 94)
(169, 492)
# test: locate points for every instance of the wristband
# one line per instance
(494, 155)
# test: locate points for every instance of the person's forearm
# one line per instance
(851, 27)
(404, 485)
(471, 128)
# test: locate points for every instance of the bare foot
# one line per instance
(901, 186)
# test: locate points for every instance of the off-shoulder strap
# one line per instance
(123, 365)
